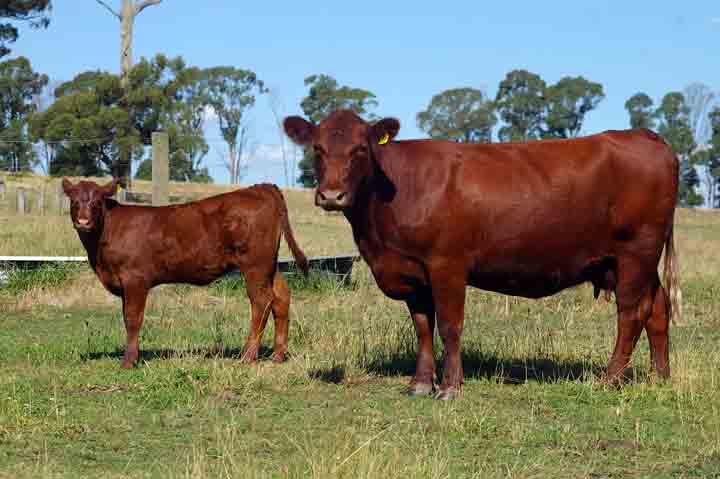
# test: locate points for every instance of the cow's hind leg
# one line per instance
(422, 311)
(657, 329)
(134, 298)
(281, 316)
(260, 293)
(635, 295)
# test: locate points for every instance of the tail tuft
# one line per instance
(670, 278)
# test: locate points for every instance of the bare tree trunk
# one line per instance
(128, 11)
(233, 163)
(275, 107)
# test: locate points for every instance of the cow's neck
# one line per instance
(370, 197)
(91, 242)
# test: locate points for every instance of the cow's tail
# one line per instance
(300, 258)
(672, 287)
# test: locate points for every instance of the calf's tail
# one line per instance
(670, 278)
(300, 258)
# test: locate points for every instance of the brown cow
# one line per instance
(524, 219)
(133, 248)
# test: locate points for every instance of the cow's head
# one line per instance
(87, 202)
(345, 149)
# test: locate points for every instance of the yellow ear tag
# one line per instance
(385, 138)
(119, 188)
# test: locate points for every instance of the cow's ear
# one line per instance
(384, 130)
(68, 187)
(299, 130)
(110, 188)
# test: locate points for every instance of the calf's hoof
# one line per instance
(127, 364)
(449, 394)
(249, 355)
(419, 389)
(278, 357)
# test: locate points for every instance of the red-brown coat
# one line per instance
(134, 248)
(525, 219)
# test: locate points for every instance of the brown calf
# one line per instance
(133, 248)
(526, 219)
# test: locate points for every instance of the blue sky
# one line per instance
(404, 52)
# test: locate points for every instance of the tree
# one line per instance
(459, 114)
(567, 103)
(34, 12)
(699, 99)
(325, 96)
(94, 119)
(129, 10)
(674, 126)
(713, 163)
(640, 109)
(86, 124)
(19, 85)
(277, 108)
(520, 101)
(230, 92)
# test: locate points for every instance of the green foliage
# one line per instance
(93, 119)
(32, 11)
(674, 126)
(567, 103)
(45, 276)
(230, 92)
(459, 114)
(19, 84)
(520, 101)
(324, 96)
(640, 109)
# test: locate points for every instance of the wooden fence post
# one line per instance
(2, 189)
(160, 168)
(41, 201)
(21, 201)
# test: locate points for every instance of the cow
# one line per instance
(431, 217)
(133, 248)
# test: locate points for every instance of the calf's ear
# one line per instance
(299, 130)
(68, 187)
(384, 130)
(110, 188)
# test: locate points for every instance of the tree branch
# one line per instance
(142, 5)
(109, 8)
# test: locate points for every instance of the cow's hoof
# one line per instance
(446, 395)
(127, 364)
(419, 389)
(278, 357)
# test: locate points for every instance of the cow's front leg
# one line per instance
(448, 290)
(134, 298)
(422, 311)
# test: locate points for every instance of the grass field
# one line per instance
(532, 405)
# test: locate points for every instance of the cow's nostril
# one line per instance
(322, 196)
(340, 196)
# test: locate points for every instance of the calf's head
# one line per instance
(87, 202)
(344, 147)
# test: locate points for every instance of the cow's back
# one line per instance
(527, 212)
(194, 242)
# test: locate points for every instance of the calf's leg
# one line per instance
(134, 298)
(260, 293)
(422, 311)
(281, 316)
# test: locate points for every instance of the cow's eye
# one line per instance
(359, 150)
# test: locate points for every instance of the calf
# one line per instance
(133, 248)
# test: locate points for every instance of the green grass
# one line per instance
(532, 404)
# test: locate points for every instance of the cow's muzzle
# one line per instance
(332, 199)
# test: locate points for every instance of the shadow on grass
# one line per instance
(479, 365)
(169, 353)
